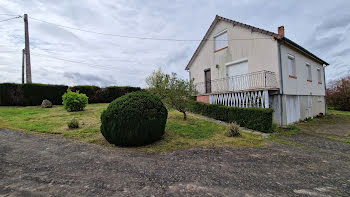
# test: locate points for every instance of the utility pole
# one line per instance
(27, 51)
(23, 56)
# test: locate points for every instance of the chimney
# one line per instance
(281, 31)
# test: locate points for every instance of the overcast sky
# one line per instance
(319, 26)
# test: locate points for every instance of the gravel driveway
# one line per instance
(41, 165)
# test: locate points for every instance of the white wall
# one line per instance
(300, 85)
(260, 49)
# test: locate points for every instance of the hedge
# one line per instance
(104, 95)
(253, 118)
(12, 94)
(30, 94)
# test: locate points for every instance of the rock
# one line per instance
(46, 104)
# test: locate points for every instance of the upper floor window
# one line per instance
(220, 41)
(309, 74)
(291, 66)
(319, 76)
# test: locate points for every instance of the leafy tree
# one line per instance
(338, 93)
(175, 92)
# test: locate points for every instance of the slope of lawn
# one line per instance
(336, 125)
(193, 132)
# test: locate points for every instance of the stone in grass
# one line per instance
(46, 104)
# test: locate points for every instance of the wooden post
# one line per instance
(26, 37)
(23, 54)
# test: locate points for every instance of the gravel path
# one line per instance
(305, 165)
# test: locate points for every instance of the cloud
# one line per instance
(337, 21)
(89, 79)
(325, 43)
(343, 52)
(123, 61)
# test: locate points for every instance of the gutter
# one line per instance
(281, 78)
(325, 90)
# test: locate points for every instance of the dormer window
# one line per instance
(220, 41)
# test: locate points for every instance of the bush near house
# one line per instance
(135, 119)
(12, 94)
(30, 94)
(253, 118)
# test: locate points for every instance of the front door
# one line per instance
(207, 78)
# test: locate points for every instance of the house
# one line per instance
(244, 66)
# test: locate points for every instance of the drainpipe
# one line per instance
(281, 78)
(325, 90)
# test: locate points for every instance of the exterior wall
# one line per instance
(260, 49)
(276, 106)
(262, 54)
(300, 85)
(318, 106)
(203, 98)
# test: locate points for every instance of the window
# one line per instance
(220, 41)
(309, 74)
(291, 66)
(319, 76)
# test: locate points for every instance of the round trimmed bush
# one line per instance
(134, 119)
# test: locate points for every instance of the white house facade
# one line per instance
(243, 66)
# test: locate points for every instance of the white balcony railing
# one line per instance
(251, 81)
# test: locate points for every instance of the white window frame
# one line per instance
(309, 72)
(291, 71)
(217, 35)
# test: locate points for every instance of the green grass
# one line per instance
(179, 133)
(337, 112)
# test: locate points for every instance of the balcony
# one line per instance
(260, 80)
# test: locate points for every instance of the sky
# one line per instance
(320, 26)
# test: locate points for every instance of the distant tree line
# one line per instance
(338, 93)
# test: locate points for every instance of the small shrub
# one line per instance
(46, 104)
(233, 130)
(134, 119)
(74, 101)
(73, 124)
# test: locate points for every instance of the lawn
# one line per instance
(179, 133)
(336, 125)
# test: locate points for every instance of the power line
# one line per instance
(73, 61)
(136, 37)
(11, 18)
(9, 15)
(76, 61)
(8, 51)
